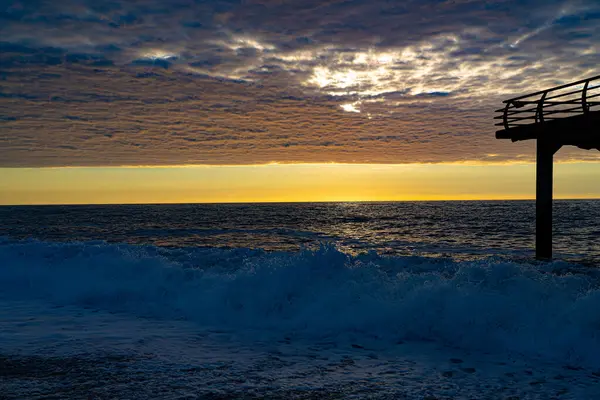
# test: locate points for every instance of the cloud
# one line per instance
(179, 82)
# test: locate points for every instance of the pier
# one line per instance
(566, 115)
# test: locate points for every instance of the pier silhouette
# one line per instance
(566, 115)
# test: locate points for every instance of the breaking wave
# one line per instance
(542, 310)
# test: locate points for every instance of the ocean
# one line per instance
(398, 300)
(460, 229)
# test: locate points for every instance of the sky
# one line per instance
(277, 100)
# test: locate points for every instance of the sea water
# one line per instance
(455, 228)
(347, 300)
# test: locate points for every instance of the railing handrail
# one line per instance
(552, 89)
(536, 111)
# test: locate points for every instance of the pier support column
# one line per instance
(543, 201)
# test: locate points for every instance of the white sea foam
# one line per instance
(547, 311)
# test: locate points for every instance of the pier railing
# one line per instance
(577, 98)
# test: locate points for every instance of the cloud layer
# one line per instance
(228, 82)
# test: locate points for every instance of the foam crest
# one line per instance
(547, 310)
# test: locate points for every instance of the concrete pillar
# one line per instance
(543, 201)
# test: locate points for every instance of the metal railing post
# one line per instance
(505, 119)
(539, 114)
(586, 109)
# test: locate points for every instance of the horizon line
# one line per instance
(297, 202)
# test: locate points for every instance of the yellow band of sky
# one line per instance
(289, 183)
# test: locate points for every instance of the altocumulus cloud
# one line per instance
(243, 82)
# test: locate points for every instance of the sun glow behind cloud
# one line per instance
(351, 107)
(439, 64)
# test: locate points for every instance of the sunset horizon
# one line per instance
(273, 183)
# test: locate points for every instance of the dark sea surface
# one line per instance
(451, 228)
(410, 300)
